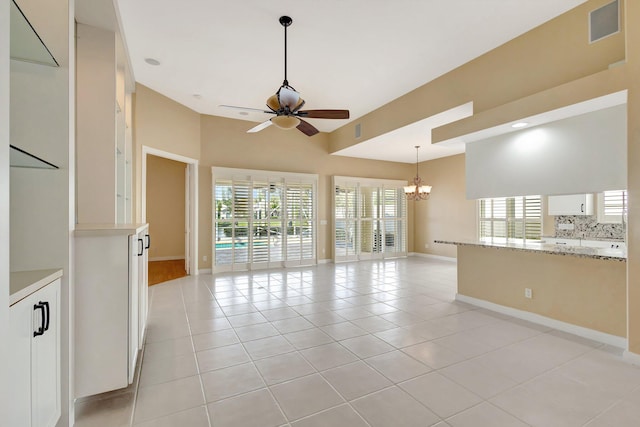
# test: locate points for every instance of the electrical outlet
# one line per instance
(426, 246)
(204, 258)
(528, 293)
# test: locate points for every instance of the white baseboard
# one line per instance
(325, 261)
(630, 357)
(167, 258)
(440, 257)
(580, 331)
(204, 271)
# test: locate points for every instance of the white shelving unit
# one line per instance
(104, 137)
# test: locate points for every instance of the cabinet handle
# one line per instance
(46, 304)
(148, 241)
(141, 247)
(40, 331)
(582, 207)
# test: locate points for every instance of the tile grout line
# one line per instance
(356, 289)
(193, 346)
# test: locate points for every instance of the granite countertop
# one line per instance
(548, 248)
(24, 283)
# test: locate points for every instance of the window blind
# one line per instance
(510, 218)
(612, 206)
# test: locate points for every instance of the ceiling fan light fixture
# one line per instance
(273, 103)
(285, 122)
(288, 97)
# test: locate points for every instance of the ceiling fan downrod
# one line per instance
(285, 21)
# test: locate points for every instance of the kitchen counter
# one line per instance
(82, 230)
(24, 283)
(569, 286)
(549, 248)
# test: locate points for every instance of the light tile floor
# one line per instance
(376, 343)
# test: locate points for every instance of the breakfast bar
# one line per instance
(579, 286)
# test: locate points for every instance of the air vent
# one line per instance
(604, 21)
(358, 131)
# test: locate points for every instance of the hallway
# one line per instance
(377, 343)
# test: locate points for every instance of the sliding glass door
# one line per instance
(370, 218)
(263, 219)
(345, 220)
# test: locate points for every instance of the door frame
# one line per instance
(192, 184)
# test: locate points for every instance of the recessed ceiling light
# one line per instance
(151, 61)
(197, 96)
(519, 125)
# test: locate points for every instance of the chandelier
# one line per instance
(417, 191)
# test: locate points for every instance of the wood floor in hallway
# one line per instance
(162, 271)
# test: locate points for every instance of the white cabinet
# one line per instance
(143, 281)
(573, 204)
(111, 299)
(34, 358)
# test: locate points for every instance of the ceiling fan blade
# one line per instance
(324, 114)
(246, 109)
(259, 127)
(307, 128)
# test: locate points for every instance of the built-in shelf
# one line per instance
(23, 159)
(26, 44)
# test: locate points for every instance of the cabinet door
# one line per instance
(45, 358)
(143, 286)
(34, 359)
(573, 204)
(135, 247)
(19, 363)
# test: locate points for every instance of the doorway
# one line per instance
(169, 203)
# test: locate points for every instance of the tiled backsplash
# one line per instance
(588, 227)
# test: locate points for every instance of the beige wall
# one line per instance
(166, 207)
(165, 125)
(447, 214)
(585, 292)
(225, 143)
(633, 179)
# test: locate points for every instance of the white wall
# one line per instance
(4, 201)
(581, 154)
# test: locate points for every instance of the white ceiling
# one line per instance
(356, 54)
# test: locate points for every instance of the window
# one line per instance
(263, 219)
(370, 218)
(510, 218)
(611, 206)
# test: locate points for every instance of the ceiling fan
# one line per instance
(286, 103)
